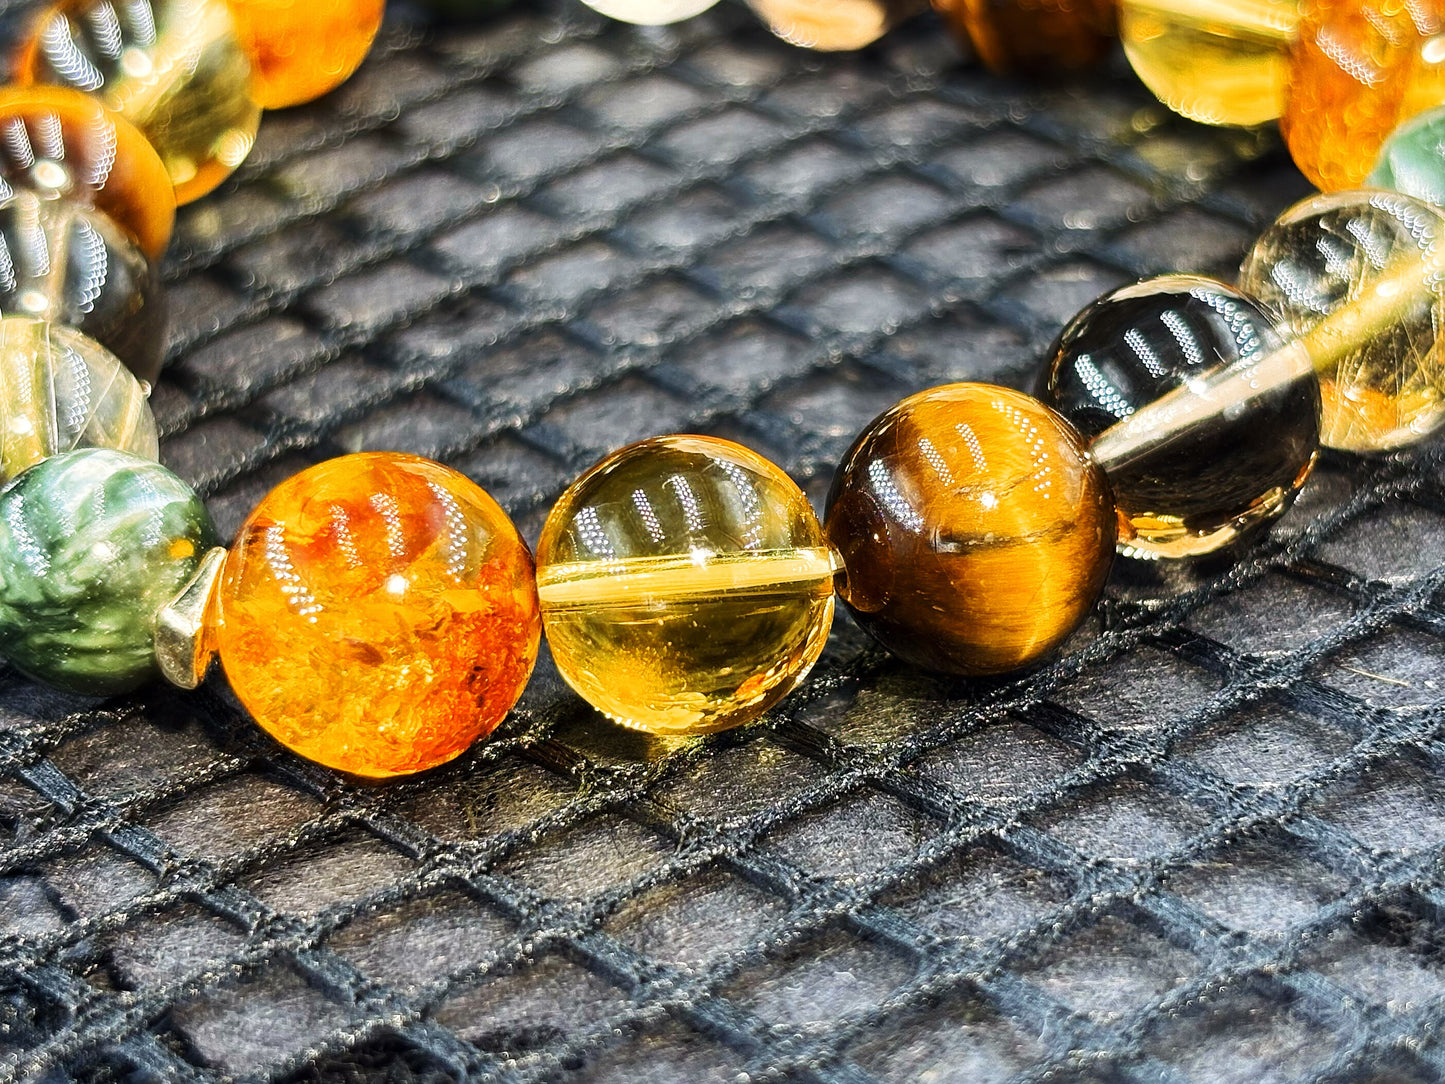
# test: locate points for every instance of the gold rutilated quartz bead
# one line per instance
(1358, 280)
(1215, 61)
(60, 390)
(186, 626)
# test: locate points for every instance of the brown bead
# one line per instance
(974, 529)
(1039, 37)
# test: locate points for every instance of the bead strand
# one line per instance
(1358, 86)
(194, 75)
(378, 613)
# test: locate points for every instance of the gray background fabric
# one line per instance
(1202, 845)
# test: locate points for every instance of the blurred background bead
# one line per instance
(1359, 279)
(1214, 61)
(832, 25)
(1039, 37)
(61, 143)
(974, 529)
(173, 68)
(686, 585)
(93, 543)
(1412, 160)
(60, 390)
(302, 49)
(1216, 481)
(406, 604)
(650, 12)
(69, 264)
(1359, 69)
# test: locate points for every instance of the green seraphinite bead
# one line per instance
(92, 544)
(1412, 160)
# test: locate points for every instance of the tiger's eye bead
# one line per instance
(173, 68)
(402, 602)
(302, 49)
(60, 391)
(650, 12)
(686, 586)
(1359, 279)
(1214, 61)
(69, 264)
(60, 143)
(974, 529)
(93, 543)
(1359, 68)
(833, 25)
(1219, 479)
(1412, 160)
(1040, 37)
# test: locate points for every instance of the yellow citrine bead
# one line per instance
(1215, 61)
(173, 68)
(378, 614)
(686, 585)
(302, 49)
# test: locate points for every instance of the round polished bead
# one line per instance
(302, 49)
(377, 614)
(58, 142)
(686, 586)
(650, 12)
(173, 68)
(1215, 61)
(1359, 279)
(69, 264)
(94, 543)
(1219, 479)
(1040, 37)
(833, 25)
(974, 530)
(1412, 161)
(1359, 68)
(60, 391)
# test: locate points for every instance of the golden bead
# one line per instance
(686, 586)
(1214, 61)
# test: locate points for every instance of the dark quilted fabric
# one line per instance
(1203, 845)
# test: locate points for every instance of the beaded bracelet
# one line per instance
(378, 613)
(1340, 75)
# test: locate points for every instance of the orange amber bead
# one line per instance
(1359, 68)
(378, 614)
(1040, 37)
(302, 49)
(59, 142)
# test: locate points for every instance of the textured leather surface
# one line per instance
(1203, 845)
